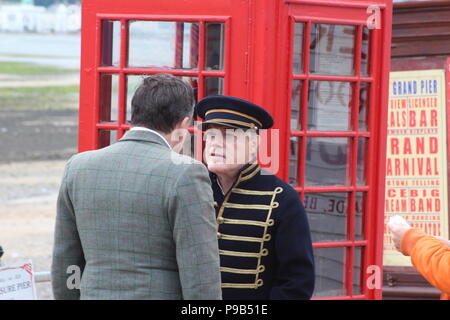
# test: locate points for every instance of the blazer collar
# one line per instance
(148, 136)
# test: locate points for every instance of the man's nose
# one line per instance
(217, 141)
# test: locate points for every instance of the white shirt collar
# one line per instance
(220, 187)
(153, 131)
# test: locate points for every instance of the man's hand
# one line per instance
(398, 227)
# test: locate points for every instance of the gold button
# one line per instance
(220, 220)
(219, 235)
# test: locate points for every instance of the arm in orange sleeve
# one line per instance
(429, 256)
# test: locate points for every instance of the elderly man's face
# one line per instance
(227, 149)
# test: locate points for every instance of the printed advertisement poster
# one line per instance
(17, 282)
(416, 167)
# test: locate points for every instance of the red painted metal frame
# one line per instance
(374, 188)
(124, 70)
(258, 67)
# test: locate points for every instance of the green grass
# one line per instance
(39, 98)
(23, 68)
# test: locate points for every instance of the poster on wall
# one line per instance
(416, 157)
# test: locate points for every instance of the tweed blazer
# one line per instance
(137, 220)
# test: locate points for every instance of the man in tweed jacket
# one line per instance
(136, 218)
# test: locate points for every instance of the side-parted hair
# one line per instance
(160, 102)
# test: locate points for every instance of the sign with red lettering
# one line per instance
(416, 164)
(17, 282)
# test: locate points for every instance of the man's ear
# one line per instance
(185, 123)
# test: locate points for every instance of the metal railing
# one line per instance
(40, 277)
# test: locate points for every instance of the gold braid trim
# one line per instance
(240, 254)
(241, 238)
(234, 112)
(251, 167)
(248, 222)
(242, 123)
(267, 236)
(252, 192)
(251, 206)
(255, 285)
(251, 174)
(239, 271)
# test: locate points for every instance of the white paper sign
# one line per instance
(17, 282)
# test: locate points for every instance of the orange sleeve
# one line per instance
(429, 256)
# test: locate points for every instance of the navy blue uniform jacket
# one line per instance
(264, 239)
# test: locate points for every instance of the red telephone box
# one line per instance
(317, 66)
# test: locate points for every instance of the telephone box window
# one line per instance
(327, 161)
(297, 60)
(163, 45)
(329, 263)
(214, 45)
(359, 214)
(133, 82)
(110, 43)
(213, 86)
(365, 51)
(329, 106)
(361, 160)
(357, 263)
(109, 84)
(327, 215)
(297, 88)
(364, 90)
(332, 49)
(293, 161)
(106, 137)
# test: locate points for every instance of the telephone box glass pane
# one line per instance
(364, 95)
(293, 161)
(109, 91)
(327, 215)
(297, 59)
(332, 49)
(106, 138)
(357, 275)
(329, 106)
(327, 161)
(365, 52)
(362, 156)
(163, 45)
(329, 264)
(214, 46)
(213, 86)
(110, 43)
(133, 82)
(297, 87)
(359, 213)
